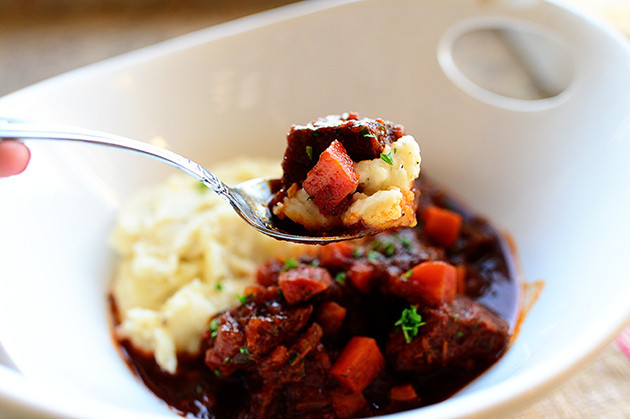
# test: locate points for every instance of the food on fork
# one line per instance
(349, 173)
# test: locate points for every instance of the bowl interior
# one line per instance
(550, 172)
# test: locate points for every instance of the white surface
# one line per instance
(552, 173)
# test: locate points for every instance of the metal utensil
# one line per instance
(249, 199)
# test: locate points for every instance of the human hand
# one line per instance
(14, 157)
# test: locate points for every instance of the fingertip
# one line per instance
(14, 158)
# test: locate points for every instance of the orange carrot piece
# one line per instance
(330, 316)
(361, 275)
(359, 364)
(442, 225)
(335, 255)
(301, 283)
(403, 393)
(332, 178)
(434, 281)
(347, 404)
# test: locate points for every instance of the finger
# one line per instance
(14, 157)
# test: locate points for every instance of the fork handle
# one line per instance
(15, 129)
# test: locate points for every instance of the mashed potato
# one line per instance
(384, 199)
(184, 256)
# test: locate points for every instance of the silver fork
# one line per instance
(249, 199)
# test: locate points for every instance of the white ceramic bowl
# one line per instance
(552, 172)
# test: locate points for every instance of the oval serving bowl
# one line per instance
(552, 172)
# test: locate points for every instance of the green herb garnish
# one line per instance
(218, 286)
(406, 242)
(244, 350)
(364, 132)
(340, 278)
(309, 152)
(409, 322)
(214, 328)
(387, 158)
(373, 255)
(242, 298)
(202, 187)
(387, 248)
(407, 274)
(289, 264)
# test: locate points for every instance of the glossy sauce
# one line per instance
(195, 391)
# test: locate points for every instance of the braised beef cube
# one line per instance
(225, 338)
(263, 332)
(252, 330)
(293, 379)
(463, 334)
(363, 139)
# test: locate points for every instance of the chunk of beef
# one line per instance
(293, 379)
(463, 334)
(251, 330)
(363, 139)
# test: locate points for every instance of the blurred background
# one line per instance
(43, 38)
(40, 39)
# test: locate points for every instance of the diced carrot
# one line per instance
(330, 316)
(335, 255)
(361, 275)
(301, 283)
(359, 364)
(347, 404)
(403, 393)
(332, 178)
(461, 279)
(434, 281)
(442, 225)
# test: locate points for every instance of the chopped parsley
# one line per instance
(202, 187)
(289, 264)
(388, 248)
(408, 273)
(406, 242)
(214, 328)
(219, 286)
(243, 298)
(373, 255)
(340, 278)
(244, 350)
(309, 152)
(409, 323)
(364, 132)
(387, 158)
(357, 252)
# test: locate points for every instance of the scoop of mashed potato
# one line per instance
(384, 198)
(184, 256)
